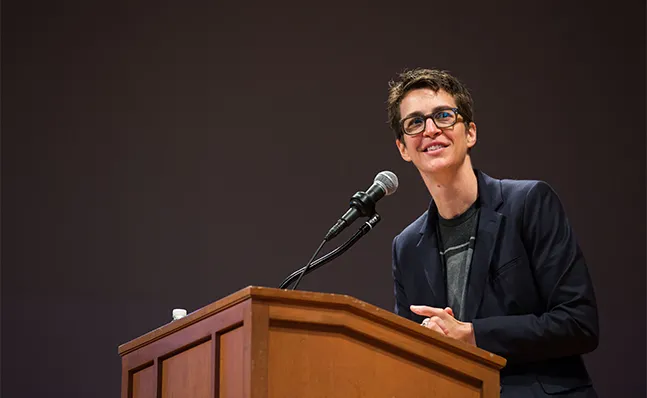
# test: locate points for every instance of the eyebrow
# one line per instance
(436, 109)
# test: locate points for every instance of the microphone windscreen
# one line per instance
(387, 179)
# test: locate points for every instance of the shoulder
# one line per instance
(518, 198)
(529, 192)
(523, 188)
(533, 201)
(519, 191)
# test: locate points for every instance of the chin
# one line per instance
(437, 166)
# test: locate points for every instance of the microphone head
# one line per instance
(388, 180)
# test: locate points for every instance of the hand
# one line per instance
(443, 321)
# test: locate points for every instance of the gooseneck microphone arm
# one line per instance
(313, 265)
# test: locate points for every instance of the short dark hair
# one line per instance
(433, 79)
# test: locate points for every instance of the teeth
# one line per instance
(433, 148)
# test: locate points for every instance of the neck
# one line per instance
(453, 190)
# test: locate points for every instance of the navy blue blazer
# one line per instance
(530, 297)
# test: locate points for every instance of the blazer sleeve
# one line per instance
(401, 302)
(568, 324)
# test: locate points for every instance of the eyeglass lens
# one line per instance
(416, 124)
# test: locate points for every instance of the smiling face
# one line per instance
(435, 151)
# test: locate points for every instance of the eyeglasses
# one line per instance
(443, 119)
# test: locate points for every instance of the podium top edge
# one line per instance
(283, 296)
(246, 293)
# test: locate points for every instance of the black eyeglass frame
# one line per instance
(431, 116)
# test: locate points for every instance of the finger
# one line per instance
(422, 310)
(440, 323)
(434, 326)
(449, 311)
(439, 312)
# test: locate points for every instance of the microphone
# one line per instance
(363, 203)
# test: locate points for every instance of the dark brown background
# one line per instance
(165, 155)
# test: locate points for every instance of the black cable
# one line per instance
(305, 269)
(325, 259)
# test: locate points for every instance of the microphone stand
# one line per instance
(311, 266)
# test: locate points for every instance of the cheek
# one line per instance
(405, 150)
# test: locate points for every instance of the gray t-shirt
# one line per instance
(458, 236)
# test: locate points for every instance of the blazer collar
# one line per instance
(490, 199)
(490, 196)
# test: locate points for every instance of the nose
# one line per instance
(430, 128)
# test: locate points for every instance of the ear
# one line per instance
(471, 135)
(403, 150)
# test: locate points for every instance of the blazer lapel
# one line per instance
(429, 255)
(486, 241)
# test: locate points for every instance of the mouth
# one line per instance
(434, 148)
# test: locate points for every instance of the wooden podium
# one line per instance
(271, 343)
